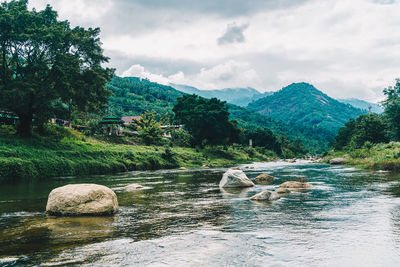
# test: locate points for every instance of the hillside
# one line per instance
(133, 96)
(303, 104)
(364, 105)
(237, 96)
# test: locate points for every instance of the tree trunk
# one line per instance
(24, 128)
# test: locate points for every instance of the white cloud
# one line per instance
(217, 77)
(345, 48)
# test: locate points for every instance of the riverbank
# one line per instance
(375, 157)
(78, 155)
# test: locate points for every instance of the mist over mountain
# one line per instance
(364, 105)
(237, 96)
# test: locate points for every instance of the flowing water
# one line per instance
(181, 218)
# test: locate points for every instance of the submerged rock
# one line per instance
(82, 199)
(265, 196)
(338, 161)
(235, 178)
(133, 187)
(264, 179)
(282, 191)
(235, 168)
(296, 185)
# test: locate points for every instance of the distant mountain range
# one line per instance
(237, 96)
(244, 96)
(364, 105)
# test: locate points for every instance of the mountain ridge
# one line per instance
(302, 103)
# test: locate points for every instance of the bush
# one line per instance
(7, 130)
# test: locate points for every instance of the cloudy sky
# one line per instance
(345, 48)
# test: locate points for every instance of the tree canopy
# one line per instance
(366, 128)
(47, 67)
(206, 120)
(392, 109)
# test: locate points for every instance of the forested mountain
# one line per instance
(237, 96)
(303, 104)
(133, 96)
(364, 105)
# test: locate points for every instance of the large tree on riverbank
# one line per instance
(45, 65)
(206, 120)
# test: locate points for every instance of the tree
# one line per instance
(366, 128)
(46, 65)
(149, 129)
(369, 128)
(206, 120)
(344, 135)
(392, 109)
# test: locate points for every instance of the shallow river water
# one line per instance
(181, 218)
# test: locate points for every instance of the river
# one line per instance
(181, 218)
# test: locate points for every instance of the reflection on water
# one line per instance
(182, 218)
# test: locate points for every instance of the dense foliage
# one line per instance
(371, 129)
(47, 67)
(206, 120)
(392, 109)
(366, 128)
(134, 96)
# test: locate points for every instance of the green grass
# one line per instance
(376, 157)
(77, 155)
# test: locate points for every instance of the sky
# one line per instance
(344, 48)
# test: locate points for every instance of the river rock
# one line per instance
(235, 178)
(133, 187)
(264, 179)
(265, 196)
(235, 168)
(182, 169)
(337, 161)
(282, 191)
(82, 199)
(296, 185)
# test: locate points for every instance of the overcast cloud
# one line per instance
(345, 48)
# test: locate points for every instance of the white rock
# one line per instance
(265, 196)
(337, 161)
(235, 178)
(82, 199)
(133, 187)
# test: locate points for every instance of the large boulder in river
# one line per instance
(338, 161)
(82, 199)
(265, 196)
(235, 178)
(264, 179)
(296, 185)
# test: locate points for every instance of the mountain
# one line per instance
(303, 104)
(133, 96)
(237, 96)
(364, 105)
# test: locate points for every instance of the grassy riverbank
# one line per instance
(376, 157)
(77, 155)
